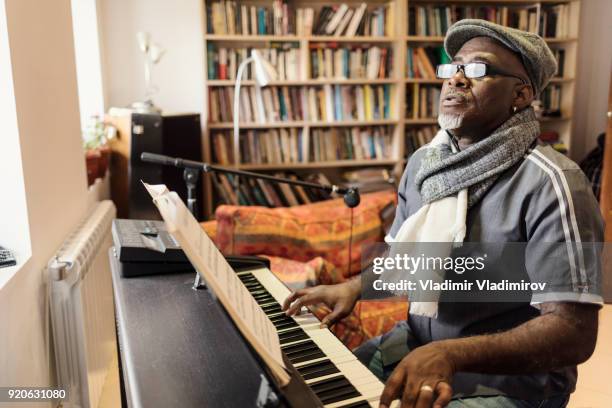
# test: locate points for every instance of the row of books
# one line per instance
(554, 21)
(248, 191)
(270, 146)
(343, 20)
(435, 20)
(351, 144)
(223, 62)
(560, 57)
(330, 61)
(416, 137)
(422, 61)
(551, 100)
(327, 103)
(372, 179)
(422, 101)
(228, 17)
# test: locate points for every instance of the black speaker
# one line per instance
(176, 135)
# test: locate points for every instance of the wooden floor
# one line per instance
(594, 388)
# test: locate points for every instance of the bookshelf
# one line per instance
(296, 46)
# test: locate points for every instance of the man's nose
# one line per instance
(459, 80)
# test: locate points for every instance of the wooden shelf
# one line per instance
(319, 165)
(423, 81)
(558, 80)
(351, 123)
(488, 2)
(297, 38)
(421, 121)
(306, 82)
(268, 125)
(424, 38)
(438, 39)
(292, 124)
(554, 118)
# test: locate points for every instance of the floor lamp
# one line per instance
(263, 74)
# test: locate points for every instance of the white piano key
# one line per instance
(368, 385)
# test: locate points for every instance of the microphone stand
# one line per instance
(191, 173)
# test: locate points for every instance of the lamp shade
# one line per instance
(264, 71)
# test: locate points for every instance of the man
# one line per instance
(499, 354)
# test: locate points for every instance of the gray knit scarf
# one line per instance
(444, 173)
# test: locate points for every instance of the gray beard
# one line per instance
(449, 121)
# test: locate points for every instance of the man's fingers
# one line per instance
(410, 394)
(291, 298)
(393, 387)
(425, 396)
(333, 317)
(445, 393)
(309, 297)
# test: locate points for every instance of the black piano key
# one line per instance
(292, 335)
(281, 319)
(272, 308)
(329, 397)
(285, 325)
(308, 349)
(358, 404)
(299, 346)
(265, 299)
(306, 356)
(334, 389)
(318, 369)
(329, 384)
(278, 317)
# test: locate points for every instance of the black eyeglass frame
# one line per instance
(489, 71)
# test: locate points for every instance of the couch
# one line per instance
(308, 245)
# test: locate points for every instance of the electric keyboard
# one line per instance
(325, 364)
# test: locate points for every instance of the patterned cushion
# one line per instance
(368, 319)
(304, 232)
(210, 228)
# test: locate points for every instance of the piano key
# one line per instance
(319, 369)
(358, 404)
(335, 389)
(292, 335)
(362, 386)
(306, 356)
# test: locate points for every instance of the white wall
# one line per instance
(88, 61)
(593, 80)
(14, 228)
(45, 87)
(176, 26)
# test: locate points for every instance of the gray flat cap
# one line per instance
(537, 57)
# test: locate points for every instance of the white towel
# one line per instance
(441, 221)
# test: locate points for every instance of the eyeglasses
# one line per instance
(472, 70)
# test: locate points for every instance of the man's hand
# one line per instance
(421, 379)
(340, 298)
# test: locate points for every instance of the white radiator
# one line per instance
(82, 309)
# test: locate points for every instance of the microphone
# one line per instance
(351, 195)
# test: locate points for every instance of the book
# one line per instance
(210, 263)
(356, 143)
(434, 20)
(422, 101)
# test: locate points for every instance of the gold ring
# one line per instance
(426, 388)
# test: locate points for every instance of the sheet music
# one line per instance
(219, 276)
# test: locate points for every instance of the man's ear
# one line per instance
(523, 96)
